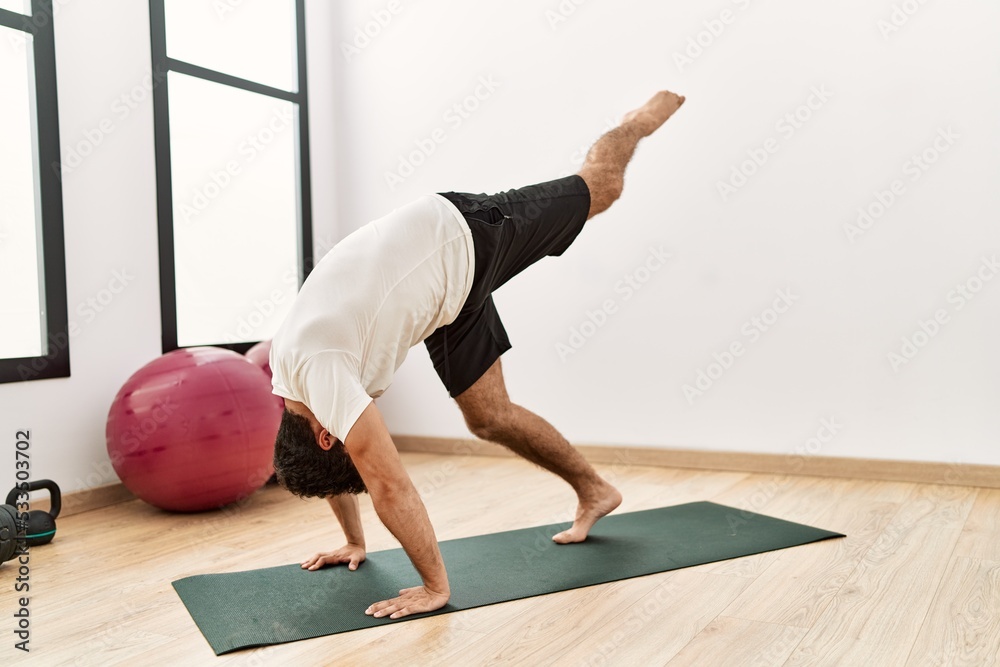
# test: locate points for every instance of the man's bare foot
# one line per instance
(603, 501)
(654, 113)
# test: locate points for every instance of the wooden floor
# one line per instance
(916, 582)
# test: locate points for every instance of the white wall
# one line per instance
(561, 83)
(103, 54)
(558, 90)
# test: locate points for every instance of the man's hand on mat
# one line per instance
(352, 554)
(417, 600)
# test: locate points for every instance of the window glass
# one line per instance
(234, 170)
(19, 6)
(253, 39)
(21, 311)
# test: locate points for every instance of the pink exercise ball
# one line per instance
(260, 355)
(194, 430)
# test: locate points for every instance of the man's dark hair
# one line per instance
(305, 468)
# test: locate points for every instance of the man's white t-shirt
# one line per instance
(376, 294)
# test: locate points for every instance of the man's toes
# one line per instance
(568, 536)
(561, 538)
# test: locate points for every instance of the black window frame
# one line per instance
(55, 362)
(162, 65)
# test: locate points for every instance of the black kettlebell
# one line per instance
(8, 533)
(41, 526)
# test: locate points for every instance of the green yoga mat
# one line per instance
(283, 604)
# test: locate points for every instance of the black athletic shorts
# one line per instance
(510, 231)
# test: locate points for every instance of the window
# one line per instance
(232, 164)
(34, 341)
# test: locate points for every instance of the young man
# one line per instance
(426, 272)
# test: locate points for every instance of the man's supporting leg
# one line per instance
(486, 406)
(604, 168)
(491, 416)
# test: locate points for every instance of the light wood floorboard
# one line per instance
(916, 582)
(875, 617)
(963, 625)
(810, 576)
(979, 537)
(761, 644)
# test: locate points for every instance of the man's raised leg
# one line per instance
(604, 168)
(491, 416)
(486, 406)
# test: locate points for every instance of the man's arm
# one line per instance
(400, 508)
(345, 508)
